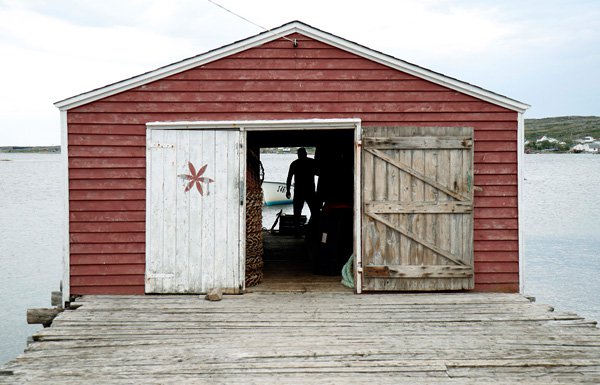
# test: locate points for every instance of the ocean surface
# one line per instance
(561, 234)
(31, 228)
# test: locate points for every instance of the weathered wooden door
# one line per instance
(194, 206)
(417, 227)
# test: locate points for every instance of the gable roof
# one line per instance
(277, 33)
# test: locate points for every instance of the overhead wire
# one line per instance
(294, 41)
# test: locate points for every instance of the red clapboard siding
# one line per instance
(93, 195)
(496, 256)
(496, 267)
(496, 224)
(497, 287)
(496, 235)
(107, 290)
(107, 205)
(496, 191)
(106, 151)
(105, 280)
(290, 85)
(337, 66)
(279, 107)
(315, 52)
(98, 237)
(104, 227)
(497, 277)
(103, 129)
(107, 259)
(96, 270)
(502, 245)
(107, 216)
(114, 173)
(495, 180)
(508, 135)
(496, 168)
(274, 81)
(476, 125)
(311, 70)
(280, 97)
(487, 201)
(310, 51)
(105, 162)
(496, 146)
(106, 184)
(109, 248)
(142, 118)
(494, 212)
(495, 157)
(107, 140)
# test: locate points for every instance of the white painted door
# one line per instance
(193, 213)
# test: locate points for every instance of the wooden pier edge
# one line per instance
(334, 338)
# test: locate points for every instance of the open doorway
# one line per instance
(305, 253)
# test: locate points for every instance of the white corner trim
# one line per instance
(148, 228)
(293, 27)
(66, 255)
(520, 179)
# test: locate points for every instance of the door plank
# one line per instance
(418, 142)
(451, 257)
(421, 271)
(196, 210)
(427, 207)
(416, 174)
(182, 255)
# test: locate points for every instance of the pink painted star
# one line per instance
(196, 178)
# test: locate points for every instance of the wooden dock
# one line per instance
(320, 338)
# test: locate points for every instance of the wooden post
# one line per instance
(56, 298)
(42, 316)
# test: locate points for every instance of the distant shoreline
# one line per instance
(30, 149)
(56, 150)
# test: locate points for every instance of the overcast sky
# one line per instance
(544, 53)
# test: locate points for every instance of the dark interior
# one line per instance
(325, 243)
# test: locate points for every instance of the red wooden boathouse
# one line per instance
(436, 167)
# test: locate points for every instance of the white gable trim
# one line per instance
(293, 27)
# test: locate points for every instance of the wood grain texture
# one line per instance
(107, 159)
(312, 338)
(435, 222)
(190, 248)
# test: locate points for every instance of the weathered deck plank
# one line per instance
(324, 338)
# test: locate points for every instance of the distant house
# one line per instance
(593, 147)
(546, 139)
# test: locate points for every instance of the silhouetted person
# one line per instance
(303, 170)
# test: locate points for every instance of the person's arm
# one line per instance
(288, 183)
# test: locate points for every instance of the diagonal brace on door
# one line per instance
(449, 256)
(433, 183)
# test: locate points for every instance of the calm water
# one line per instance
(30, 242)
(561, 234)
(562, 231)
(276, 168)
